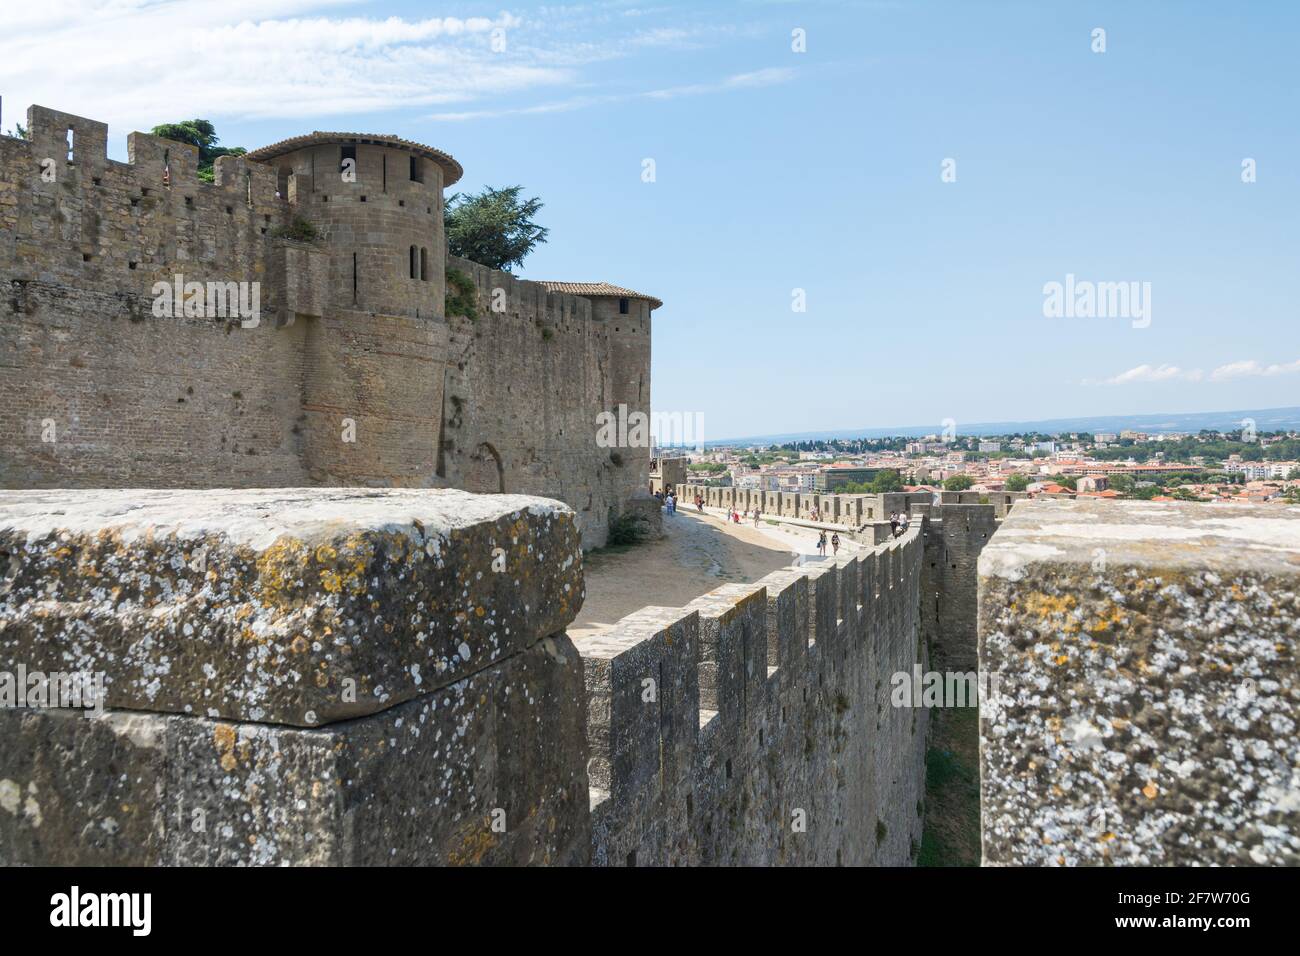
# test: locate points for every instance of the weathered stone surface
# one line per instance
(97, 389)
(754, 725)
(490, 769)
(295, 606)
(1147, 684)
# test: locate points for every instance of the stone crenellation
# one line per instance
(352, 373)
(769, 738)
(351, 676)
(852, 512)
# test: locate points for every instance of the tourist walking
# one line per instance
(835, 543)
(821, 543)
(893, 523)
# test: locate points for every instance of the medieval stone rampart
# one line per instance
(350, 374)
(370, 677)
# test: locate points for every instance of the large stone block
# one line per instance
(293, 606)
(1144, 684)
(490, 769)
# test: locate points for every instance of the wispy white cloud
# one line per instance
(1252, 369)
(739, 81)
(1248, 368)
(1148, 373)
(133, 63)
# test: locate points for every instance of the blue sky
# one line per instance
(820, 171)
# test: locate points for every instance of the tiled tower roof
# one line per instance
(452, 170)
(599, 288)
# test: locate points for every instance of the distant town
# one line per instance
(1206, 466)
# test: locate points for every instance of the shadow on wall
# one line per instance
(485, 473)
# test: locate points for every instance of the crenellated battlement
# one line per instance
(72, 214)
(848, 512)
(346, 371)
(753, 725)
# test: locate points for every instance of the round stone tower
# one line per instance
(376, 203)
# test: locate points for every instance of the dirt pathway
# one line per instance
(697, 554)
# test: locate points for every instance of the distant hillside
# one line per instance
(1266, 419)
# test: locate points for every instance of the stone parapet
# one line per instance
(318, 676)
(754, 725)
(1142, 660)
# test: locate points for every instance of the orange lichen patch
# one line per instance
(1049, 607)
(1108, 619)
(223, 737)
(280, 569)
(1150, 790)
(474, 844)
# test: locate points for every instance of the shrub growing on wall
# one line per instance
(462, 295)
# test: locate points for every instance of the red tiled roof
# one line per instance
(598, 289)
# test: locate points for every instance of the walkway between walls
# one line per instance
(696, 554)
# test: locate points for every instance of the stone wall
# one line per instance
(955, 534)
(753, 726)
(317, 676)
(1147, 685)
(850, 511)
(1002, 501)
(351, 376)
(341, 677)
(523, 391)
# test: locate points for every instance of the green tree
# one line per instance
(1122, 483)
(494, 228)
(887, 480)
(200, 133)
(19, 131)
(1017, 483)
(958, 483)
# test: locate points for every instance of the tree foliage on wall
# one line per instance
(200, 133)
(462, 295)
(494, 228)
